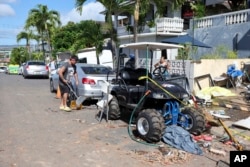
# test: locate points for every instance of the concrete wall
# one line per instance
(214, 67)
(218, 30)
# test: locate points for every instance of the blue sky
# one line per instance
(13, 14)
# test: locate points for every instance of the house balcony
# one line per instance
(226, 19)
(164, 25)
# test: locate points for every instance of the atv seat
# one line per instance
(131, 76)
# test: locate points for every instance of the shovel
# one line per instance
(79, 99)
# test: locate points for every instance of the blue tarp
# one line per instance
(186, 39)
(231, 71)
(179, 138)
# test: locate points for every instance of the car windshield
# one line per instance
(37, 63)
(96, 70)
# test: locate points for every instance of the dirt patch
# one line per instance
(237, 114)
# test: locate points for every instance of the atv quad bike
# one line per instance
(164, 105)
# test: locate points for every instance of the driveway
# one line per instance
(35, 133)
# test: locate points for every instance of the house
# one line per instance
(230, 29)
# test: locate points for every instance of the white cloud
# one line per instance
(6, 10)
(90, 11)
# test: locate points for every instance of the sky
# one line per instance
(13, 14)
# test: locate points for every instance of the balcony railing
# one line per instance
(163, 25)
(169, 24)
(223, 19)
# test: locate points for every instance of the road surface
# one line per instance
(35, 133)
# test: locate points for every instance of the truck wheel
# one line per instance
(114, 109)
(150, 125)
(192, 120)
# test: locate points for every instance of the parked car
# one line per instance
(13, 69)
(20, 71)
(35, 69)
(3, 69)
(90, 79)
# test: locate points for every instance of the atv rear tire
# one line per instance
(150, 125)
(195, 120)
(114, 109)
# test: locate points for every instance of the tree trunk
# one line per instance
(43, 46)
(136, 19)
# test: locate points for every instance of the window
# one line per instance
(96, 70)
(37, 63)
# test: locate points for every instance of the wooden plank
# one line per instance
(236, 100)
(231, 105)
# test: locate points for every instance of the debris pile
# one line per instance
(164, 155)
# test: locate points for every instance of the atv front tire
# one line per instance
(192, 120)
(150, 125)
(114, 109)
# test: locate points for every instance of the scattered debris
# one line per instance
(216, 151)
(203, 138)
(165, 155)
(245, 123)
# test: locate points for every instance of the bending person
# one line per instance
(67, 69)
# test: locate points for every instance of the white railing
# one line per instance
(208, 22)
(223, 19)
(236, 17)
(165, 24)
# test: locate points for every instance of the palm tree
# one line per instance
(27, 36)
(94, 37)
(112, 6)
(43, 20)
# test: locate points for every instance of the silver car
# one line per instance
(3, 69)
(90, 79)
(35, 69)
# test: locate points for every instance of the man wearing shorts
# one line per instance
(67, 70)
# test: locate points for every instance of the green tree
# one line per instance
(111, 6)
(27, 36)
(199, 9)
(18, 55)
(93, 37)
(75, 36)
(43, 20)
(66, 37)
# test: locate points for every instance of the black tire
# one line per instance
(52, 89)
(114, 109)
(194, 119)
(150, 125)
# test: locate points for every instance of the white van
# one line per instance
(88, 55)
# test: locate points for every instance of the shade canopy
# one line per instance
(150, 45)
(186, 39)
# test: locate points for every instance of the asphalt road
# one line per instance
(35, 133)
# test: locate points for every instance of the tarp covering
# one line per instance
(179, 138)
(215, 91)
(186, 39)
